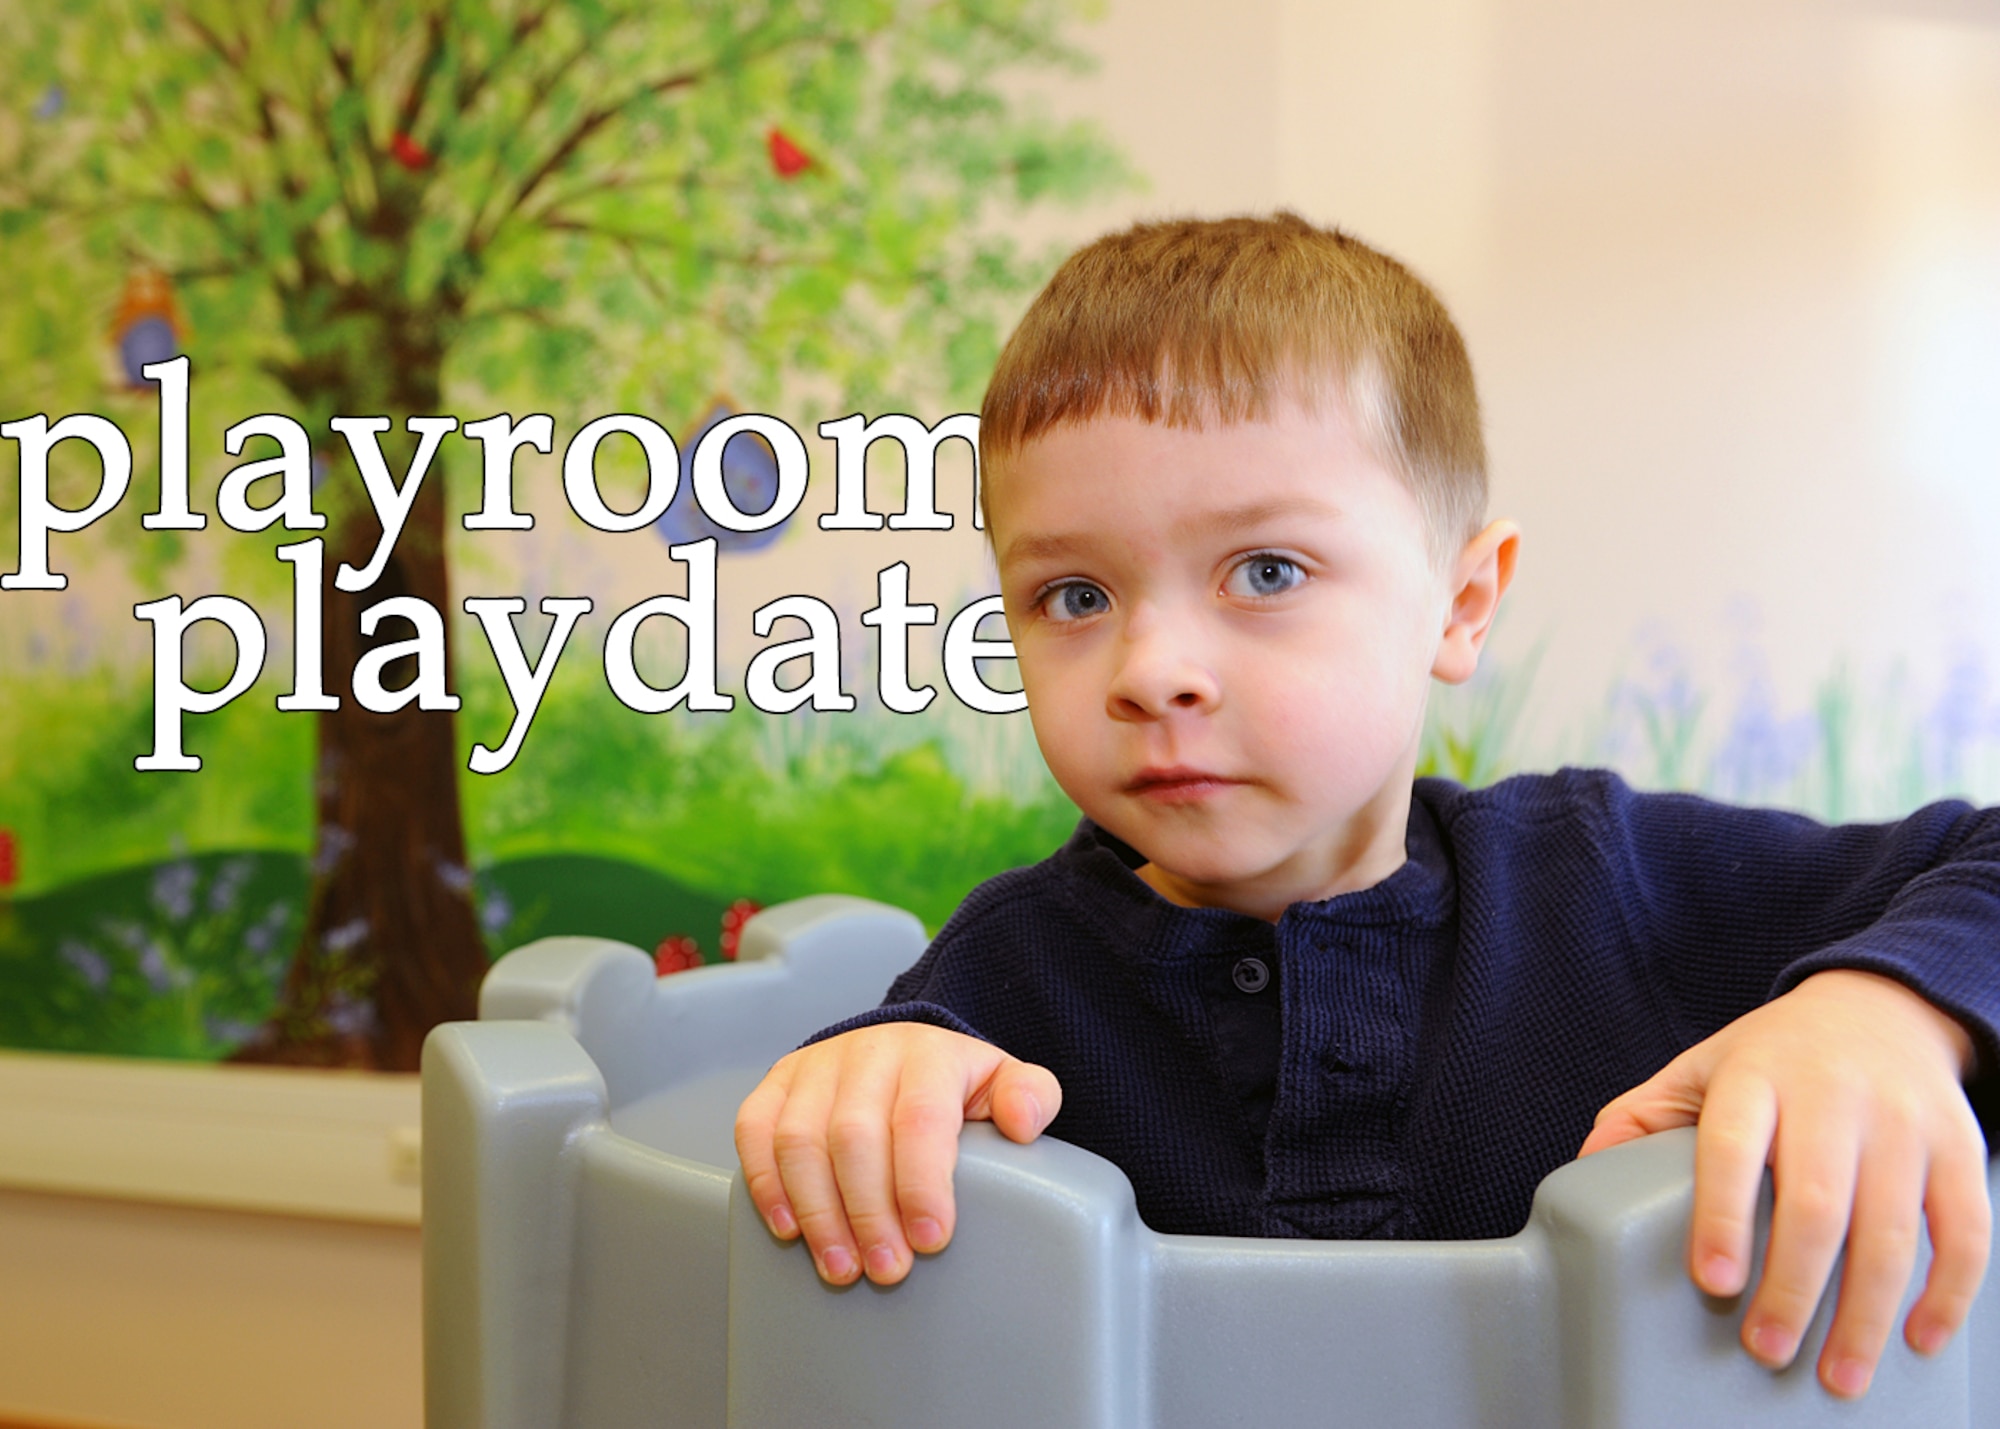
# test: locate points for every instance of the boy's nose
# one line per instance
(1158, 675)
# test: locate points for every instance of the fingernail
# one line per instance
(1848, 1377)
(881, 1262)
(1932, 1338)
(1034, 1107)
(836, 1263)
(782, 1224)
(1772, 1344)
(926, 1233)
(1718, 1274)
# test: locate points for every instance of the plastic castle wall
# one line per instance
(591, 1260)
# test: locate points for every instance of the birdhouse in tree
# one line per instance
(147, 326)
(749, 475)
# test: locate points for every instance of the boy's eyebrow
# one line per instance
(1040, 548)
(1256, 513)
(1228, 521)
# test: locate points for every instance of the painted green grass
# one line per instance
(135, 928)
(182, 958)
(906, 809)
(769, 808)
(78, 808)
(175, 959)
(540, 897)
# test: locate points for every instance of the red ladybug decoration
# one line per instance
(677, 953)
(738, 913)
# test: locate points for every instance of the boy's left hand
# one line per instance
(1849, 1088)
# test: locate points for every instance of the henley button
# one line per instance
(1250, 975)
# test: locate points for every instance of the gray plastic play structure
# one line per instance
(591, 1260)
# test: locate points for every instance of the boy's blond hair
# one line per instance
(1191, 321)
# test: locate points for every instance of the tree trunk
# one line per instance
(391, 945)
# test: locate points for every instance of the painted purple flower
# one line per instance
(88, 963)
(1960, 718)
(1762, 753)
(495, 912)
(227, 889)
(227, 1030)
(262, 936)
(173, 889)
(161, 972)
(350, 1017)
(334, 842)
(347, 935)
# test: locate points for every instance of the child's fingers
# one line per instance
(1881, 1250)
(799, 1143)
(755, 1123)
(1670, 1097)
(1813, 1173)
(1022, 1099)
(924, 1133)
(858, 1142)
(1732, 1145)
(1961, 1225)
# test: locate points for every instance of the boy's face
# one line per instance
(1227, 638)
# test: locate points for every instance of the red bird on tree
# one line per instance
(787, 158)
(408, 152)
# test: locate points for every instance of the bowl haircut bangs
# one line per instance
(1189, 322)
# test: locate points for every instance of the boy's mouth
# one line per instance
(1177, 783)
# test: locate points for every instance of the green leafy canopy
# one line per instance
(581, 202)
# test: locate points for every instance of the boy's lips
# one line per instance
(1173, 783)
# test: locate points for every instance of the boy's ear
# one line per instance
(1479, 577)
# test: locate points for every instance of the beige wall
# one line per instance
(122, 1313)
(1731, 279)
(192, 1247)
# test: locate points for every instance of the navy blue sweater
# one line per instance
(1410, 1060)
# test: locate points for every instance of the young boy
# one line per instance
(1234, 481)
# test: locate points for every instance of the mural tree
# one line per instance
(383, 204)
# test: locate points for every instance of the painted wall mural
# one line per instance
(405, 210)
(1735, 341)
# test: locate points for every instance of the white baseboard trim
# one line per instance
(336, 1145)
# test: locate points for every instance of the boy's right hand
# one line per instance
(853, 1140)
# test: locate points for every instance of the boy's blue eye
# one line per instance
(1075, 600)
(1264, 575)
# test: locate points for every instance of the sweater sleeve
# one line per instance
(1740, 905)
(912, 1011)
(944, 986)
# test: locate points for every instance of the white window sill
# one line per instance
(334, 1145)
